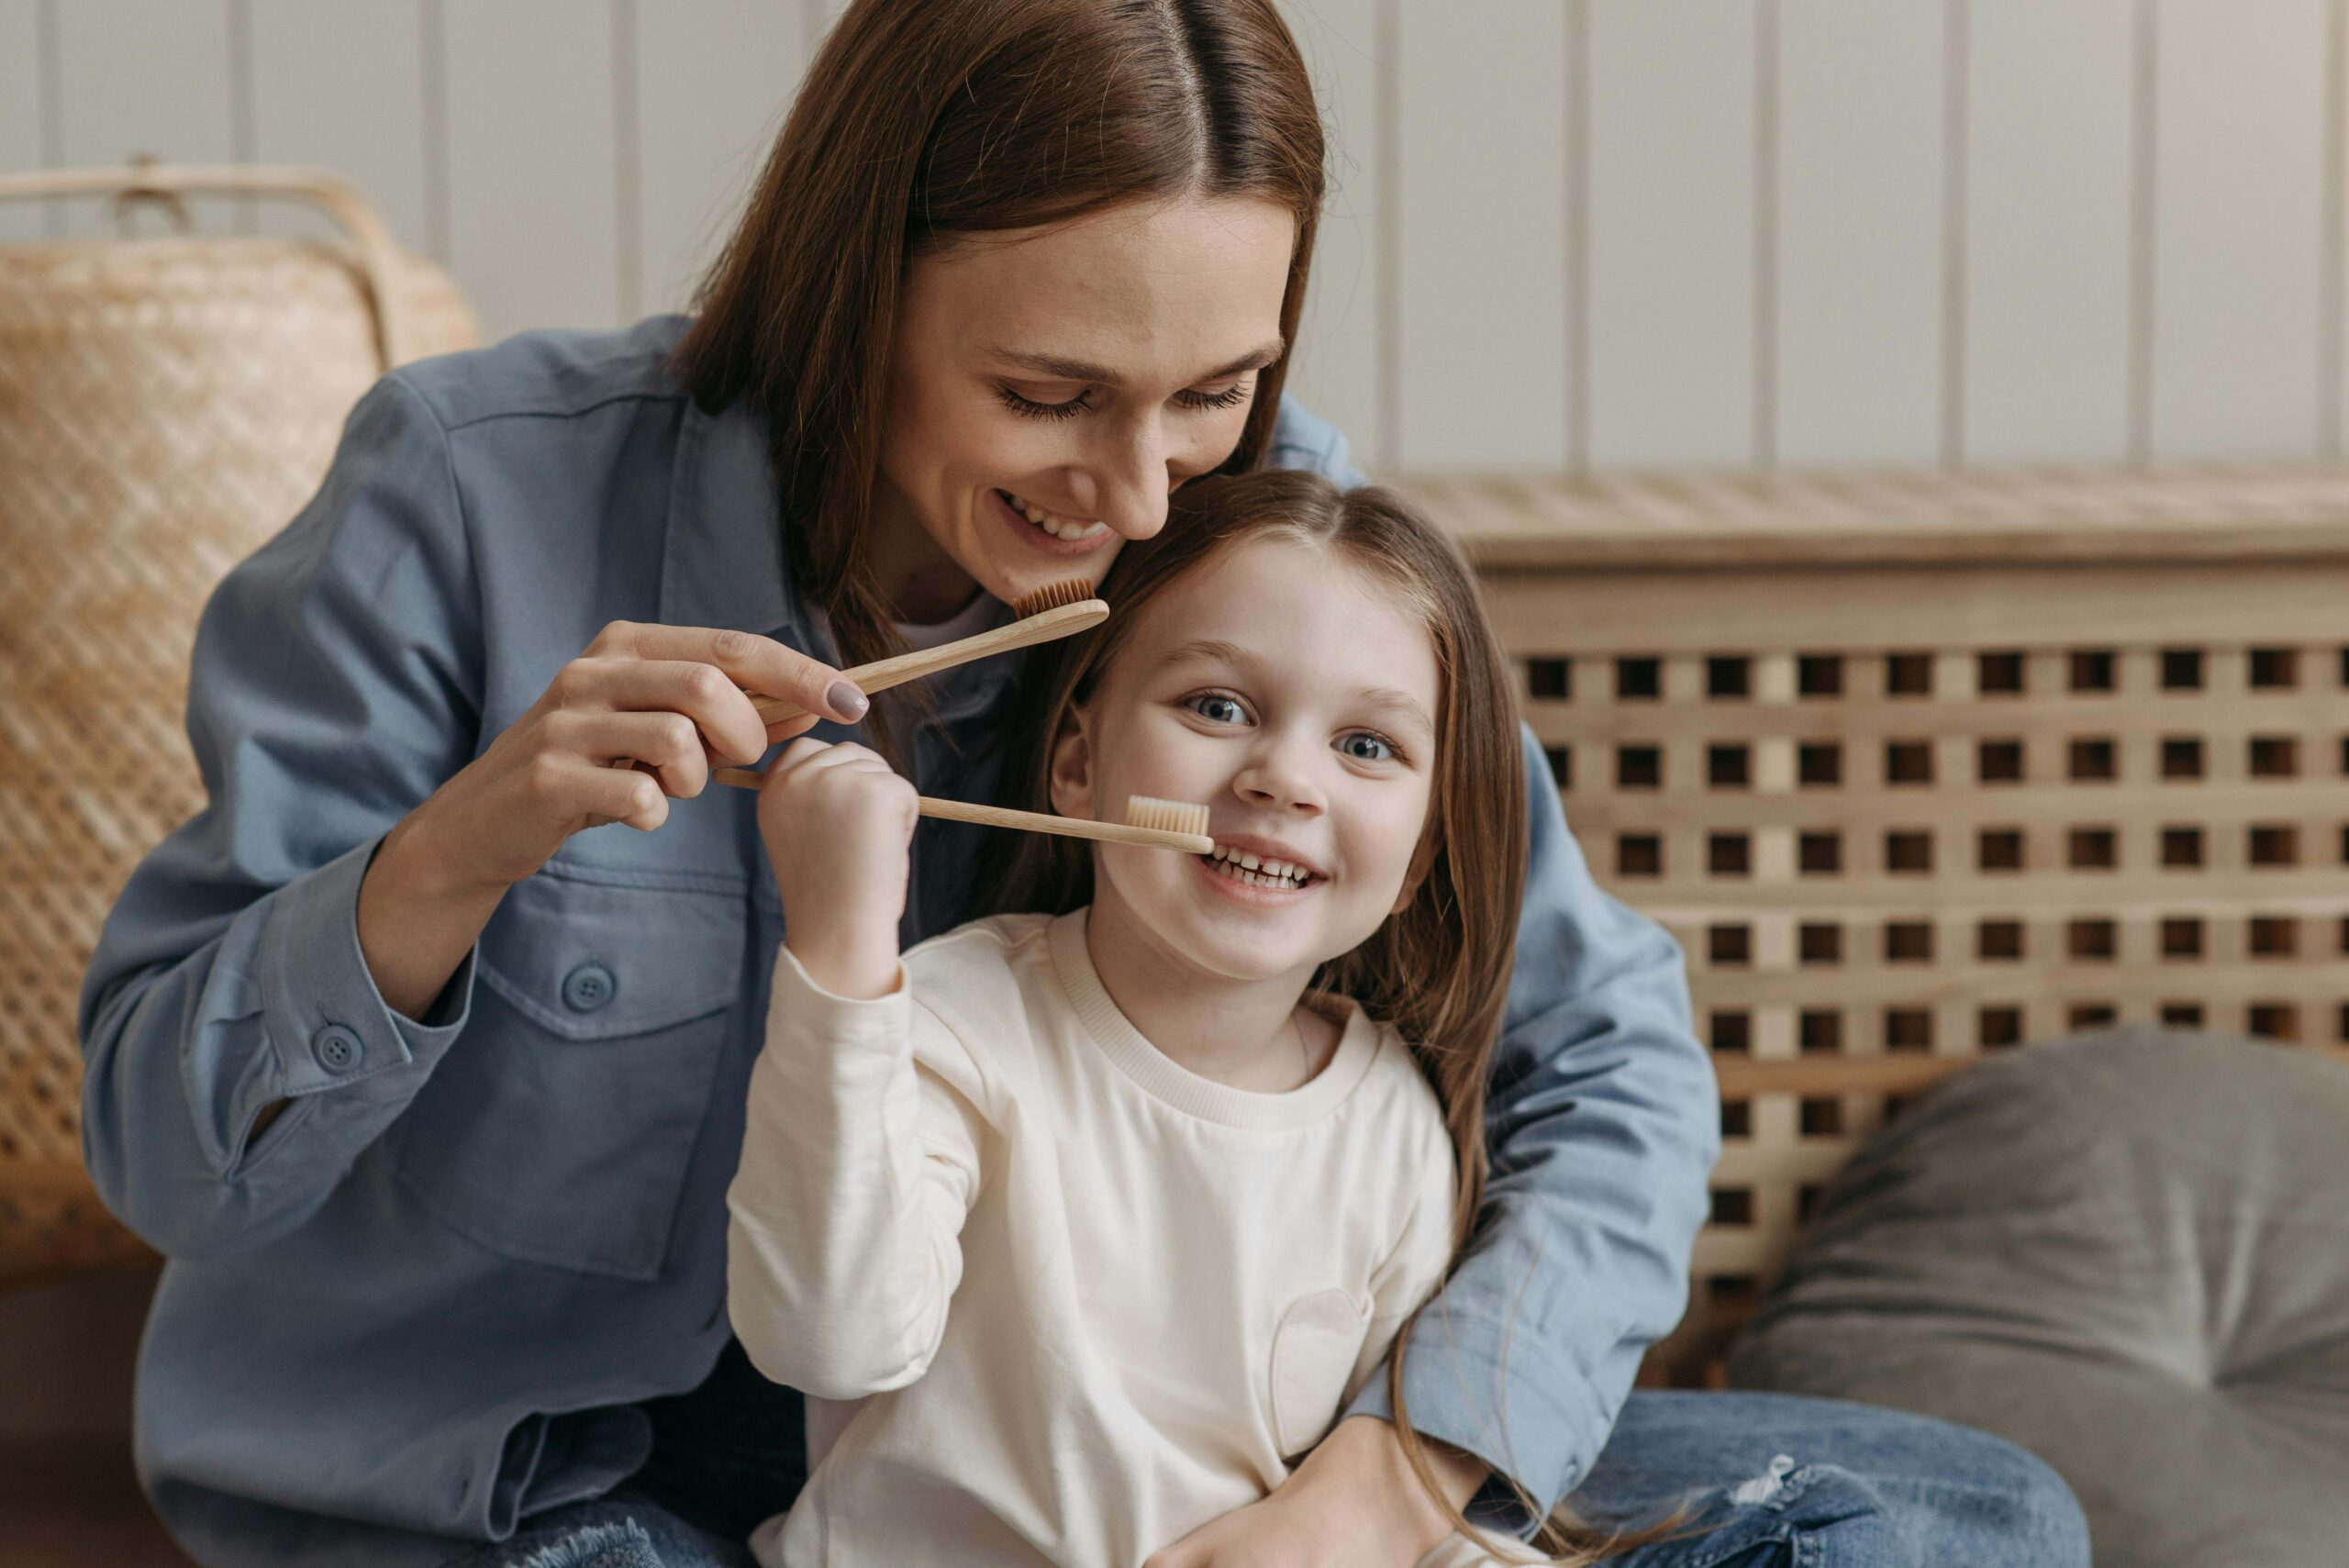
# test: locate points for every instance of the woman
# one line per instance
(421, 1053)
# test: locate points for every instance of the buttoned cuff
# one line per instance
(1470, 1382)
(328, 1025)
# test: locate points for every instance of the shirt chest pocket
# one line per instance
(558, 1129)
(1314, 1352)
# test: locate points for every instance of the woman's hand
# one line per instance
(1354, 1503)
(635, 720)
(838, 827)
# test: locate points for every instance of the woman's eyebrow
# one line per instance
(1061, 369)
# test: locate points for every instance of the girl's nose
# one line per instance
(1279, 773)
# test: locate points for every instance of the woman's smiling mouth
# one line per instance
(1068, 530)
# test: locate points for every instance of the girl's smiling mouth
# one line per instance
(1260, 865)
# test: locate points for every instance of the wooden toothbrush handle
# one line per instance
(1067, 827)
(1027, 821)
(881, 673)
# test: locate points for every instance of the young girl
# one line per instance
(1081, 1224)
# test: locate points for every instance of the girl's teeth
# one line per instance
(1241, 866)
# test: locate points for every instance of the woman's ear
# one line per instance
(1072, 771)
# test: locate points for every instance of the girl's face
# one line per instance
(1294, 694)
(1049, 387)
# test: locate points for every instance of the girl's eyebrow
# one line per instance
(1205, 649)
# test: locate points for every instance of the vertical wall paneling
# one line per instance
(22, 106)
(533, 176)
(2238, 163)
(713, 80)
(1958, 25)
(144, 76)
(2333, 216)
(1671, 233)
(1860, 254)
(2047, 216)
(1335, 365)
(1765, 201)
(2144, 197)
(341, 88)
(628, 166)
(1483, 328)
(1576, 281)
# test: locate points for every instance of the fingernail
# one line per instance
(847, 703)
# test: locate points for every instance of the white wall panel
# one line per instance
(143, 76)
(714, 80)
(341, 87)
(1860, 242)
(1335, 367)
(2238, 153)
(2047, 232)
(1483, 334)
(21, 106)
(1671, 233)
(533, 222)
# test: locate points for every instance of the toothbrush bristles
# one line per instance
(1052, 596)
(1166, 815)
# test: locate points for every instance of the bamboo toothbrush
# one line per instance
(1150, 822)
(1055, 610)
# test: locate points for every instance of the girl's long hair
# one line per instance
(923, 120)
(1438, 968)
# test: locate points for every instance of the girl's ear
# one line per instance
(1072, 771)
(1422, 861)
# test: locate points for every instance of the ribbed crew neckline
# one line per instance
(1165, 1079)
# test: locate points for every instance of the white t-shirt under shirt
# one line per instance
(1162, 1289)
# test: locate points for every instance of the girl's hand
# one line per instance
(838, 825)
(1354, 1503)
(635, 720)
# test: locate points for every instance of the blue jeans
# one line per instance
(1771, 1480)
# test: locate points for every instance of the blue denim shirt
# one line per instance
(432, 1294)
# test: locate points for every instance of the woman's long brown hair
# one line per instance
(1438, 968)
(922, 120)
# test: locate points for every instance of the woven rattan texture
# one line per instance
(164, 407)
(1900, 816)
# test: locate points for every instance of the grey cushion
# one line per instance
(2128, 1253)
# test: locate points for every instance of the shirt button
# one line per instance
(337, 1049)
(588, 987)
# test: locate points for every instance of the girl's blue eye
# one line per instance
(1218, 708)
(1365, 747)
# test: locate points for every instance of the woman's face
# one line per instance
(1049, 387)
(1295, 695)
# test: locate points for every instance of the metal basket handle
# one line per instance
(338, 197)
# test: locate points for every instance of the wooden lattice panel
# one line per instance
(2035, 753)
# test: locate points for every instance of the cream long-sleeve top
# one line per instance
(1057, 1299)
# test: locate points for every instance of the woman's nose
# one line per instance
(1126, 480)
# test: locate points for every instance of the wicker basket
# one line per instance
(165, 406)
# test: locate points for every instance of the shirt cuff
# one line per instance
(1469, 1382)
(328, 1024)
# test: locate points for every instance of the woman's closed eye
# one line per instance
(1193, 397)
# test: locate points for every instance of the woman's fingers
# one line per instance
(760, 663)
(666, 744)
